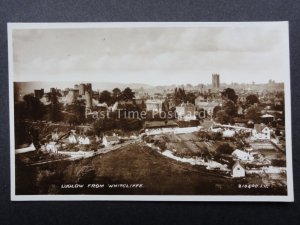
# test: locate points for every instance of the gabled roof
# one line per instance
(229, 133)
(153, 101)
(186, 105)
(259, 127)
(239, 153)
(267, 116)
(112, 138)
(207, 104)
(237, 164)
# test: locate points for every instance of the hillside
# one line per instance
(134, 164)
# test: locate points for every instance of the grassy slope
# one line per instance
(134, 164)
(158, 174)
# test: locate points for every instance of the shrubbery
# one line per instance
(86, 174)
(46, 180)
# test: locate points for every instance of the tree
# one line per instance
(180, 96)
(251, 99)
(116, 94)
(55, 114)
(224, 149)
(127, 94)
(216, 136)
(33, 108)
(216, 109)
(190, 97)
(230, 108)
(204, 136)
(131, 124)
(21, 127)
(85, 174)
(34, 133)
(105, 96)
(142, 106)
(72, 120)
(229, 93)
(165, 106)
(98, 127)
(253, 114)
(222, 117)
(79, 111)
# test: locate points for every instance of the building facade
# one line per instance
(154, 105)
(186, 112)
(238, 170)
(215, 81)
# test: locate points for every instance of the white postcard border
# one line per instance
(231, 198)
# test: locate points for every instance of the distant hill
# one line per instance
(29, 87)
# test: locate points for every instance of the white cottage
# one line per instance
(83, 140)
(86, 141)
(154, 105)
(51, 147)
(238, 170)
(228, 133)
(110, 140)
(261, 132)
(242, 155)
(54, 136)
(72, 139)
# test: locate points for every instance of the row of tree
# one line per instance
(116, 95)
(33, 109)
(181, 96)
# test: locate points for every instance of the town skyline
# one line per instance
(111, 85)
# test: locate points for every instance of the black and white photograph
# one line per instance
(165, 111)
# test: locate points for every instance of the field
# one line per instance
(190, 145)
(272, 154)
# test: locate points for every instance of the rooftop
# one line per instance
(237, 164)
(259, 127)
(157, 124)
(112, 138)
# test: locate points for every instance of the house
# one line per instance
(154, 105)
(54, 136)
(228, 133)
(242, 155)
(97, 139)
(267, 118)
(242, 98)
(206, 105)
(51, 147)
(72, 139)
(200, 99)
(110, 140)
(186, 112)
(216, 130)
(240, 110)
(238, 170)
(261, 132)
(84, 140)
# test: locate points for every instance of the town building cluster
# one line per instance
(255, 111)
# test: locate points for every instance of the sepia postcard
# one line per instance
(150, 111)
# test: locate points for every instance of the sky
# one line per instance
(153, 55)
